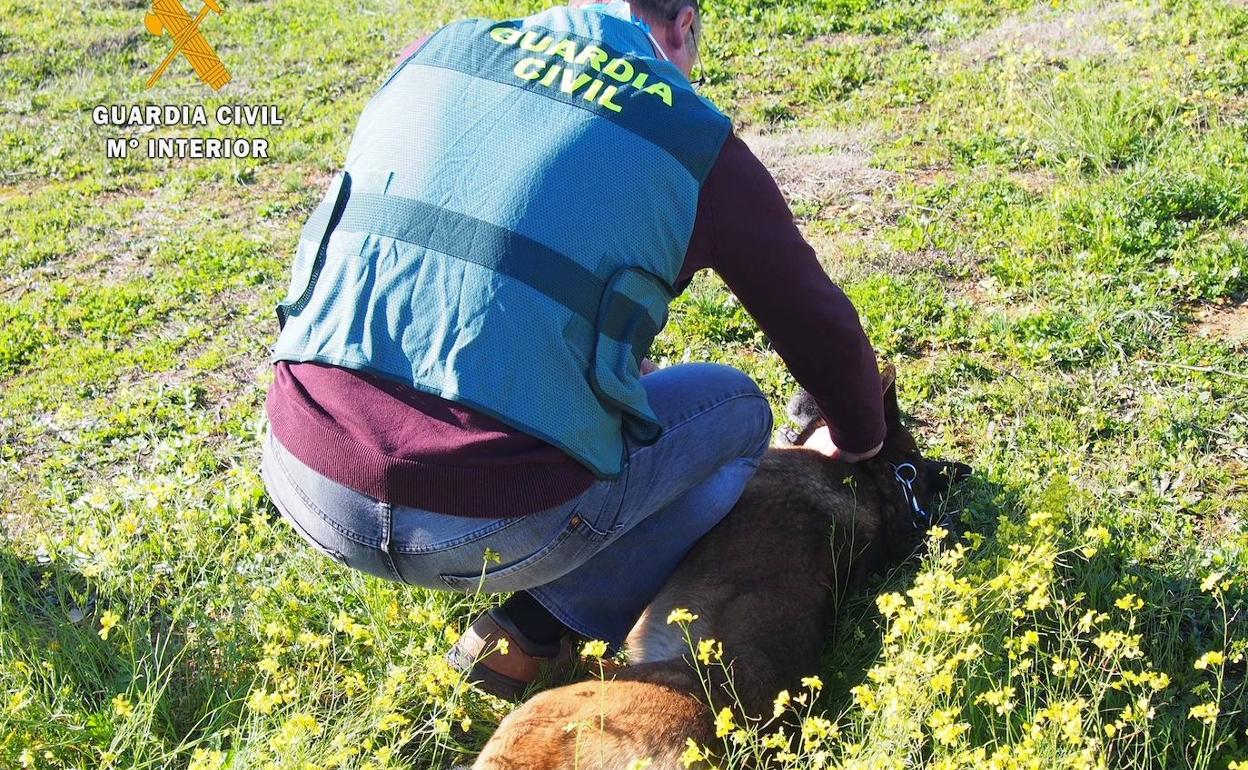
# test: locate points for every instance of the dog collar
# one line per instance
(906, 474)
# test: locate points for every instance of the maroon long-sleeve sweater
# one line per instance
(411, 448)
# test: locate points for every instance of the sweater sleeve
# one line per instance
(753, 243)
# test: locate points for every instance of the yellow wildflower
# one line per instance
(276, 630)
(815, 730)
(781, 703)
(262, 701)
(352, 683)
(391, 720)
(1210, 583)
(1097, 537)
(890, 603)
(681, 615)
(122, 705)
(1158, 680)
(693, 753)
(1205, 712)
(1002, 699)
(18, 701)
(1211, 658)
(348, 625)
(812, 682)
(724, 723)
(1129, 602)
(946, 728)
(776, 741)
(709, 650)
(594, 649)
(303, 723)
(206, 759)
(864, 696)
(107, 621)
(314, 640)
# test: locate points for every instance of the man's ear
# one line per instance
(892, 412)
(685, 19)
(679, 30)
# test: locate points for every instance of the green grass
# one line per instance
(1059, 213)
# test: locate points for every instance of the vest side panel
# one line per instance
(476, 335)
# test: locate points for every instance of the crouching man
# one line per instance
(459, 400)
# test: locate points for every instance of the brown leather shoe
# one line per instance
(508, 676)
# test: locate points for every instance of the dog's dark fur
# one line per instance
(764, 582)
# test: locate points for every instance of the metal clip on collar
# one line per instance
(906, 474)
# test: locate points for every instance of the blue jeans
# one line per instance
(595, 561)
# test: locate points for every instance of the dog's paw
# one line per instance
(804, 412)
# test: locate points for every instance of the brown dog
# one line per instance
(764, 582)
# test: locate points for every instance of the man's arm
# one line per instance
(752, 242)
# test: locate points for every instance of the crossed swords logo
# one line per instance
(169, 16)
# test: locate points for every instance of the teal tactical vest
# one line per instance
(515, 206)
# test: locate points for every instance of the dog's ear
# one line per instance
(888, 377)
(892, 412)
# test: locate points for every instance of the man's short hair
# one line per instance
(664, 9)
(668, 9)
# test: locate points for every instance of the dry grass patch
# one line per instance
(1056, 36)
(830, 167)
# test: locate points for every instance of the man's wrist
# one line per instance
(854, 443)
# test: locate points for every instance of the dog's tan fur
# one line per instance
(764, 582)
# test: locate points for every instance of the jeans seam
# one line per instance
(300, 530)
(708, 406)
(344, 531)
(626, 473)
(387, 524)
(704, 409)
(462, 540)
(532, 560)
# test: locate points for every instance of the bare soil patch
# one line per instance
(825, 166)
(1056, 36)
(1226, 323)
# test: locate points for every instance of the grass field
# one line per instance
(1041, 212)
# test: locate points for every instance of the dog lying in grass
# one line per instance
(764, 584)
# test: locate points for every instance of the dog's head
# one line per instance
(905, 484)
(912, 484)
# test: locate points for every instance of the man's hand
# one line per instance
(821, 441)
